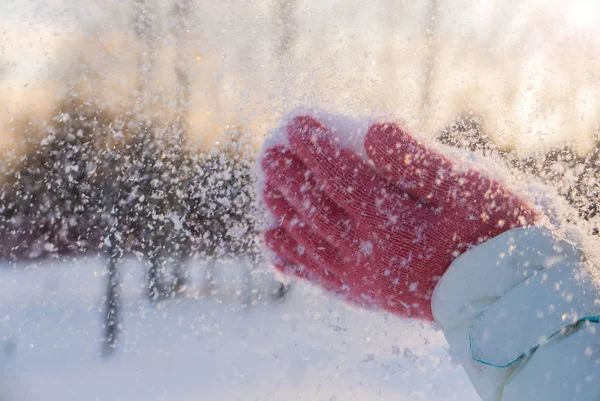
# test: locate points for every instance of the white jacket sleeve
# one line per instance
(521, 313)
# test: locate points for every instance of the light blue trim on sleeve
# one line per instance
(533, 312)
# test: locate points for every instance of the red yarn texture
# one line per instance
(380, 232)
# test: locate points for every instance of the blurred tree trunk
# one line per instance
(431, 39)
(180, 247)
(285, 15)
(145, 26)
(388, 58)
(182, 12)
(145, 31)
(115, 253)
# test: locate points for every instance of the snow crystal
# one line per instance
(366, 247)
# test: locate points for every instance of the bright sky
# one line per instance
(529, 71)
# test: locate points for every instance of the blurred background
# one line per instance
(132, 267)
(527, 69)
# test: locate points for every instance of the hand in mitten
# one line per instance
(380, 231)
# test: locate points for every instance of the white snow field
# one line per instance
(308, 347)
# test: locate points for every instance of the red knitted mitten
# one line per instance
(380, 231)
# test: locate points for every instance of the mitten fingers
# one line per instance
(420, 171)
(429, 176)
(293, 199)
(347, 179)
(306, 236)
(289, 181)
(377, 247)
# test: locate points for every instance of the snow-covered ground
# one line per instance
(309, 347)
